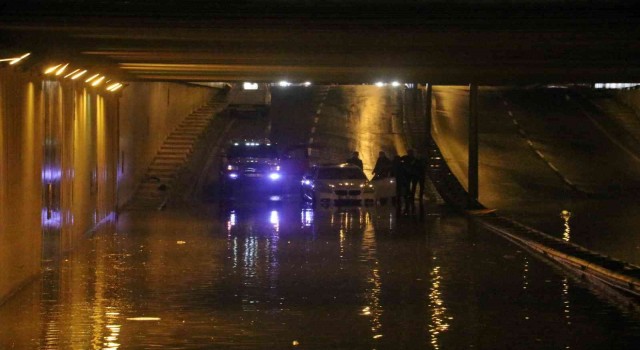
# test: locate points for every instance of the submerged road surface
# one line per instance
(256, 274)
(278, 277)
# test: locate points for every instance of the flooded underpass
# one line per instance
(284, 275)
(260, 274)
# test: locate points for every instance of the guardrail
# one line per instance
(605, 271)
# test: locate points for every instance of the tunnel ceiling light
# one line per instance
(97, 81)
(250, 86)
(18, 59)
(91, 78)
(72, 73)
(51, 69)
(62, 69)
(78, 75)
(114, 87)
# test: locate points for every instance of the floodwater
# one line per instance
(282, 276)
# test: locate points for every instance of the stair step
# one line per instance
(183, 137)
(168, 160)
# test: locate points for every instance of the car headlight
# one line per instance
(274, 176)
(367, 188)
(322, 187)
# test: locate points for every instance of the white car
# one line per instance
(341, 184)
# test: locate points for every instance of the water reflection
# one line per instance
(306, 217)
(525, 283)
(566, 235)
(439, 318)
(253, 238)
(369, 256)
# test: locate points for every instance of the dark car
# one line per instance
(251, 167)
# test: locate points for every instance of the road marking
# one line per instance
(515, 122)
(554, 168)
(311, 140)
(530, 143)
(505, 103)
(318, 111)
(510, 114)
(315, 120)
(313, 130)
(542, 156)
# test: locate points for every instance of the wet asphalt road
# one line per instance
(256, 274)
(278, 277)
(540, 154)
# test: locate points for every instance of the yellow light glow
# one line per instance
(143, 318)
(97, 81)
(51, 69)
(91, 78)
(114, 87)
(16, 60)
(72, 73)
(78, 75)
(62, 69)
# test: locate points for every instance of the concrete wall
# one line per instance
(69, 154)
(148, 113)
(21, 142)
(630, 98)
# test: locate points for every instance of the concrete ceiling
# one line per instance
(425, 42)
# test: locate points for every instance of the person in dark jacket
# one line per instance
(402, 182)
(355, 160)
(383, 166)
(415, 172)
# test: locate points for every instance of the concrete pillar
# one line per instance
(427, 110)
(473, 144)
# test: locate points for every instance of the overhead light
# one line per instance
(395, 84)
(51, 69)
(91, 78)
(78, 75)
(61, 69)
(18, 59)
(380, 84)
(97, 81)
(72, 73)
(250, 86)
(114, 87)
(284, 83)
(307, 83)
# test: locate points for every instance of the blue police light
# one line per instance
(274, 176)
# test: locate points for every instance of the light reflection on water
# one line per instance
(566, 216)
(439, 318)
(369, 256)
(264, 279)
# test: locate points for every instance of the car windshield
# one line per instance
(341, 173)
(258, 151)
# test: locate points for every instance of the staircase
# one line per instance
(172, 157)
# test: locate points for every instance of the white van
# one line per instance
(249, 99)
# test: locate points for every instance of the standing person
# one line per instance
(402, 183)
(355, 160)
(415, 171)
(418, 176)
(382, 168)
